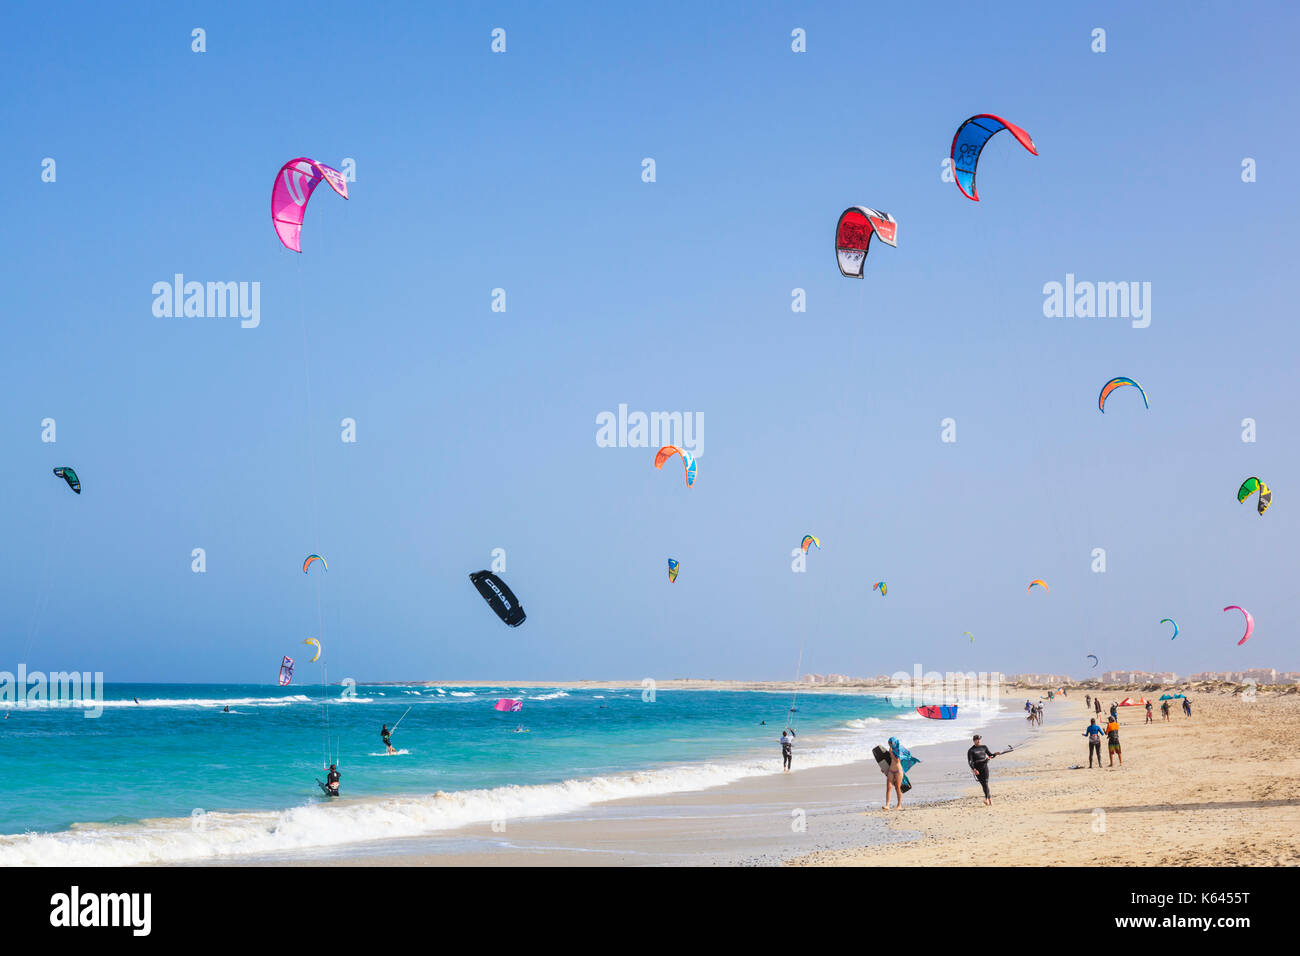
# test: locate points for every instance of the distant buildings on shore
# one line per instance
(1260, 675)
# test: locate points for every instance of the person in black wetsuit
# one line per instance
(386, 735)
(978, 757)
(332, 780)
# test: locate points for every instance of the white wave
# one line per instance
(463, 693)
(558, 693)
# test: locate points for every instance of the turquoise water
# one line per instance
(176, 754)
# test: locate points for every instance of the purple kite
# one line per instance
(294, 184)
(509, 704)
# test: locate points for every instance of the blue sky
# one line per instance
(476, 430)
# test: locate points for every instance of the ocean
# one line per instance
(175, 779)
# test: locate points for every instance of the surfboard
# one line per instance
(935, 712)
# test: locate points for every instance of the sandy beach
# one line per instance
(1220, 788)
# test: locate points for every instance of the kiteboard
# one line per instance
(328, 792)
(936, 712)
(884, 758)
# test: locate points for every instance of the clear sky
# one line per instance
(477, 429)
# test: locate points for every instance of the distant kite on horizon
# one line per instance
(672, 570)
(1041, 583)
(1170, 620)
(810, 539)
(880, 585)
(1115, 383)
(314, 557)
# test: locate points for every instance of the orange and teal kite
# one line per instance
(688, 461)
(1041, 583)
(1115, 383)
(880, 586)
(809, 539)
(310, 559)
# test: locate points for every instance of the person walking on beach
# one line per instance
(901, 761)
(1093, 733)
(787, 748)
(1149, 713)
(978, 757)
(1087, 702)
(1112, 740)
(1187, 706)
(1097, 702)
(1164, 710)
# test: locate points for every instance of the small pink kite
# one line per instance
(509, 704)
(294, 184)
(1250, 623)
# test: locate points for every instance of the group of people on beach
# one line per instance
(1094, 731)
(900, 760)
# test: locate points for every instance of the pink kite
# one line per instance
(294, 184)
(1250, 623)
(510, 704)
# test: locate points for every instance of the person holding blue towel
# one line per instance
(902, 762)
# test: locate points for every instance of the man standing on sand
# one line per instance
(1093, 733)
(1187, 706)
(978, 757)
(1164, 710)
(1148, 720)
(1087, 702)
(1097, 702)
(1112, 740)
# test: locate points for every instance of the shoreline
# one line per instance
(766, 819)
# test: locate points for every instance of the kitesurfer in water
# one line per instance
(386, 735)
(787, 748)
(226, 710)
(978, 757)
(332, 781)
